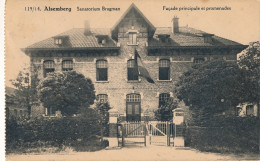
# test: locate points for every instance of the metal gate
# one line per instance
(152, 132)
(132, 133)
(160, 132)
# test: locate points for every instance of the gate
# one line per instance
(154, 132)
(160, 132)
(132, 133)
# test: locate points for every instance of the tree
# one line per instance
(102, 109)
(26, 84)
(212, 88)
(250, 61)
(164, 112)
(66, 91)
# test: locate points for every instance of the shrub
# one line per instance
(53, 131)
(231, 134)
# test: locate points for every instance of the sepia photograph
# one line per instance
(131, 80)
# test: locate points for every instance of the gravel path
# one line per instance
(151, 153)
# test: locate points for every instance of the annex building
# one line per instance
(106, 56)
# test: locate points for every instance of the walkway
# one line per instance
(151, 153)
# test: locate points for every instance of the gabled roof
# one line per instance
(132, 6)
(188, 37)
(76, 40)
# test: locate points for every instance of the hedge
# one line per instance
(233, 134)
(57, 132)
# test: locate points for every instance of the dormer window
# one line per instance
(164, 38)
(208, 38)
(58, 41)
(102, 39)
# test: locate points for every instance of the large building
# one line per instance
(106, 56)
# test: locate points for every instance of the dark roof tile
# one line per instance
(77, 39)
(187, 36)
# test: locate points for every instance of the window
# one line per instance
(238, 110)
(67, 65)
(58, 41)
(133, 107)
(163, 98)
(132, 73)
(132, 38)
(49, 111)
(102, 41)
(101, 70)
(164, 70)
(198, 60)
(48, 67)
(164, 39)
(102, 98)
(249, 110)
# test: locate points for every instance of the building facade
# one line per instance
(12, 107)
(106, 56)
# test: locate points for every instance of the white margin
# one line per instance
(2, 83)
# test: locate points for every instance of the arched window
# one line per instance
(102, 98)
(133, 107)
(67, 65)
(163, 98)
(101, 70)
(48, 67)
(164, 69)
(132, 73)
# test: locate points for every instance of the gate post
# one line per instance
(144, 128)
(113, 128)
(178, 119)
(123, 135)
(168, 133)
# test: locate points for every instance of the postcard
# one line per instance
(132, 80)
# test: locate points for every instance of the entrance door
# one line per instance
(133, 107)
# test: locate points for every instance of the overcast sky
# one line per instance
(23, 28)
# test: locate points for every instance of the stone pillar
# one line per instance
(178, 119)
(113, 131)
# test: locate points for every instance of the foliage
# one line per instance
(66, 91)
(164, 112)
(26, 88)
(213, 87)
(250, 61)
(103, 109)
(57, 132)
(225, 135)
(12, 133)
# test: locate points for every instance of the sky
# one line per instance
(22, 28)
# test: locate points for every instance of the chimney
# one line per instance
(86, 27)
(175, 24)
